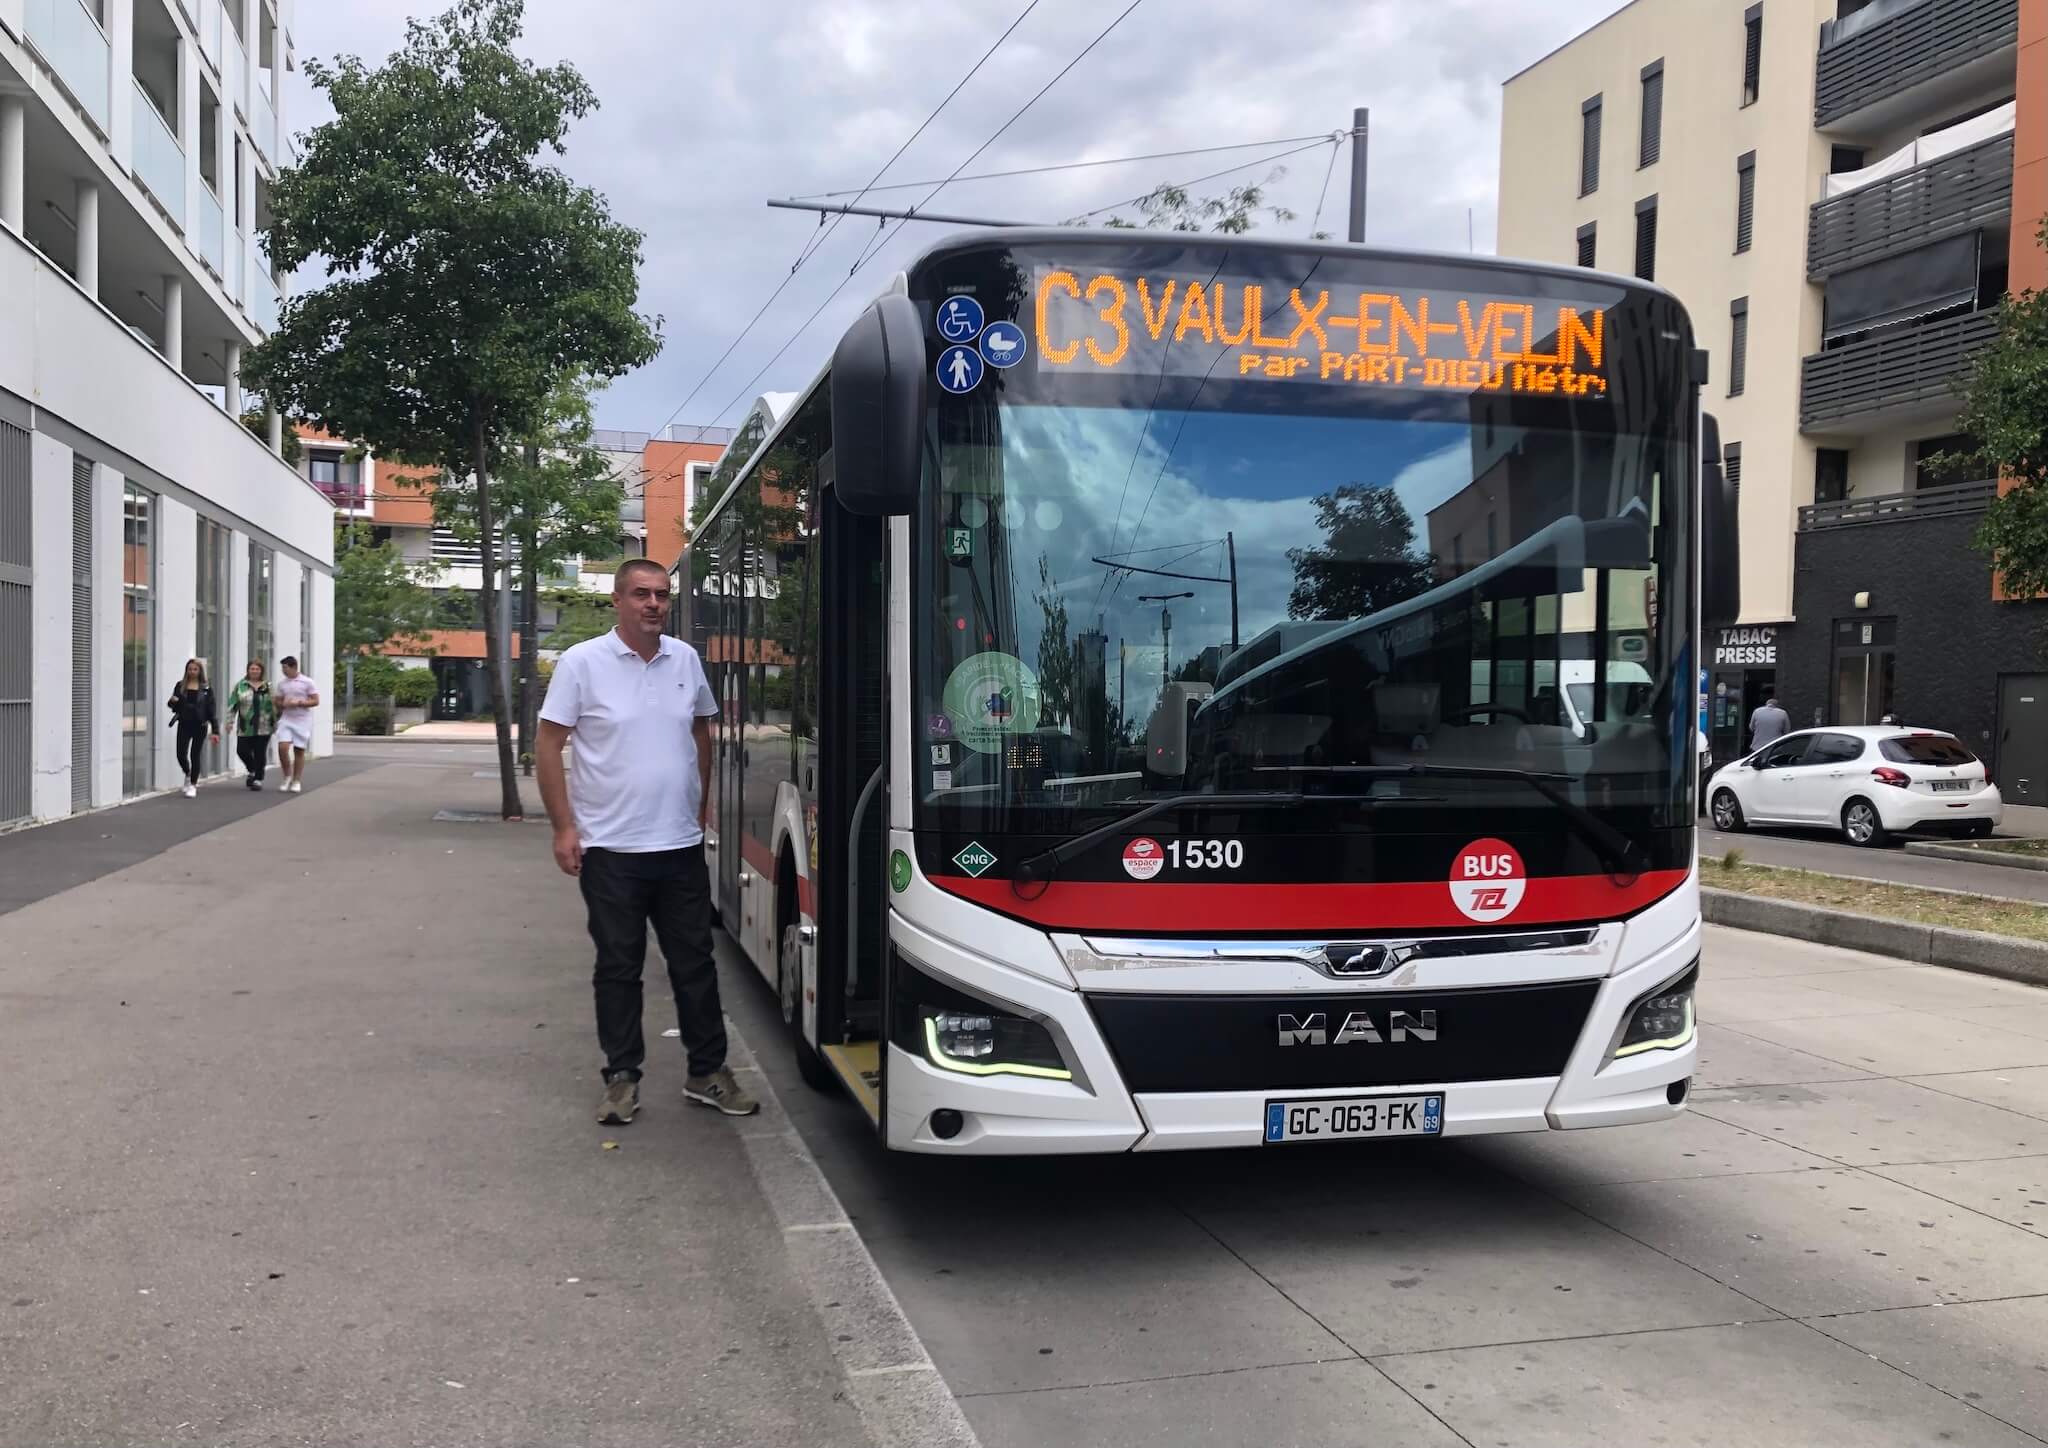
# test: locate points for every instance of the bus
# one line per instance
(1201, 691)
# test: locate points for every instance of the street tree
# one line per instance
(378, 596)
(1174, 208)
(1367, 560)
(2006, 412)
(468, 278)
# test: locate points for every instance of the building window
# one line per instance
(262, 569)
(1651, 142)
(1752, 52)
(1930, 470)
(1745, 200)
(1830, 474)
(210, 620)
(1731, 469)
(306, 618)
(1589, 147)
(1586, 236)
(138, 640)
(1646, 238)
(1738, 344)
(1844, 158)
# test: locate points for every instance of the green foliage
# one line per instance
(378, 596)
(775, 691)
(369, 719)
(1236, 211)
(1366, 561)
(376, 677)
(259, 426)
(415, 689)
(2006, 410)
(583, 616)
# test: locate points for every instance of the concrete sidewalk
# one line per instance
(299, 1148)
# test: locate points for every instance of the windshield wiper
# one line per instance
(1622, 855)
(1042, 865)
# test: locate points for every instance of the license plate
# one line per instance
(1951, 786)
(1347, 1117)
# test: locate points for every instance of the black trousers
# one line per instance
(254, 752)
(671, 890)
(192, 751)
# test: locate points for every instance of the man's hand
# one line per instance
(216, 736)
(569, 852)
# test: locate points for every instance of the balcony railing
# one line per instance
(238, 252)
(72, 44)
(265, 300)
(213, 232)
(234, 69)
(1919, 40)
(1899, 367)
(1941, 502)
(348, 497)
(262, 122)
(1962, 191)
(159, 159)
(211, 22)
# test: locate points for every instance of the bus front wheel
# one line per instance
(789, 985)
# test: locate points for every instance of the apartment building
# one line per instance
(661, 478)
(1839, 191)
(140, 522)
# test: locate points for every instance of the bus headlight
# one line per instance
(1660, 1021)
(956, 1032)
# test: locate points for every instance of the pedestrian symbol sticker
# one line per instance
(1003, 344)
(959, 319)
(959, 369)
(976, 860)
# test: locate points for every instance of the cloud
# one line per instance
(707, 114)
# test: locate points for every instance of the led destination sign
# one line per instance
(1402, 337)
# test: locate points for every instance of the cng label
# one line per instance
(1143, 858)
(1488, 881)
(976, 860)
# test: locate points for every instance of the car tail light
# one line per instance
(1898, 778)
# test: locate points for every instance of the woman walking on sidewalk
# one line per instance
(196, 718)
(253, 715)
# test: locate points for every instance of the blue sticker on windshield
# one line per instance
(959, 319)
(959, 369)
(1003, 344)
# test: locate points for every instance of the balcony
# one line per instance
(159, 159)
(213, 232)
(211, 23)
(234, 69)
(238, 252)
(263, 123)
(1966, 190)
(1894, 46)
(1944, 502)
(265, 300)
(72, 44)
(1919, 364)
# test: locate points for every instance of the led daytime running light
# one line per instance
(944, 1062)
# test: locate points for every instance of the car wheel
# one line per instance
(788, 981)
(1863, 826)
(1728, 812)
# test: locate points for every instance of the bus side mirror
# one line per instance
(1720, 532)
(878, 400)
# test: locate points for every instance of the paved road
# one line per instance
(1845, 1241)
(1814, 850)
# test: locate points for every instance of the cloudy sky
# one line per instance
(702, 120)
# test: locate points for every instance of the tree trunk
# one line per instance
(495, 642)
(529, 655)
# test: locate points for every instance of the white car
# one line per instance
(1869, 781)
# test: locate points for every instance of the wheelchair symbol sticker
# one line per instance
(959, 319)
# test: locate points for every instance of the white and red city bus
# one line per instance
(1143, 661)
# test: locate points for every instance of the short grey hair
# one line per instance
(619, 578)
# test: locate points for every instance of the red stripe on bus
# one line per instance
(756, 854)
(1096, 905)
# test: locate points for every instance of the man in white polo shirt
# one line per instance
(631, 829)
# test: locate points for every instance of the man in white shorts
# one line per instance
(297, 697)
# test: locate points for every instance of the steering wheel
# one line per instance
(1459, 716)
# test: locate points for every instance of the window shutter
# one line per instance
(1586, 239)
(1738, 344)
(1731, 468)
(1646, 238)
(1745, 199)
(1652, 140)
(1589, 147)
(1752, 52)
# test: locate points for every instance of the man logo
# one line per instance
(1358, 1027)
(1355, 961)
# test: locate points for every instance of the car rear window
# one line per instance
(1927, 749)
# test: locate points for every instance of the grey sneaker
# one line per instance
(720, 1091)
(621, 1100)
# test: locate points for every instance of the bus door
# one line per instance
(853, 707)
(731, 774)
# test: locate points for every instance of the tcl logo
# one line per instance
(1487, 881)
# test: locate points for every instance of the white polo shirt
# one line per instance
(635, 787)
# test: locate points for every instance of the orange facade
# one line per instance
(404, 496)
(667, 466)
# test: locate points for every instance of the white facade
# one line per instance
(138, 141)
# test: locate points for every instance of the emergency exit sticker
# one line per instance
(1488, 880)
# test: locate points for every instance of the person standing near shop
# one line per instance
(632, 832)
(252, 713)
(1767, 724)
(297, 697)
(196, 718)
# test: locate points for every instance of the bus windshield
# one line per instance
(1210, 516)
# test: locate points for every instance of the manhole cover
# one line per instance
(478, 817)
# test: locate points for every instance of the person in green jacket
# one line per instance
(252, 713)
